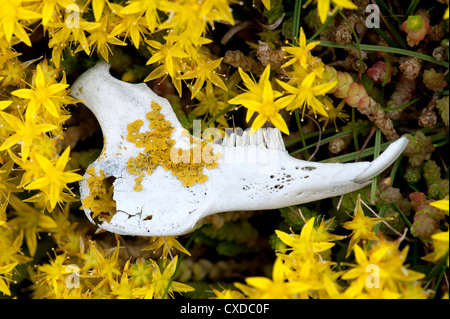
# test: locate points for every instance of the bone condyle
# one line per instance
(154, 179)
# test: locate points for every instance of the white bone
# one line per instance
(258, 175)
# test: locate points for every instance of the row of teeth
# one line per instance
(269, 138)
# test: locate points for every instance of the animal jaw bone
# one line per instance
(254, 172)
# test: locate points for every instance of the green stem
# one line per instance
(307, 136)
(441, 275)
(395, 168)
(380, 48)
(296, 22)
(377, 152)
(386, 109)
(386, 7)
(323, 27)
(352, 156)
(330, 130)
(412, 7)
(300, 130)
(323, 141)
(436, 269)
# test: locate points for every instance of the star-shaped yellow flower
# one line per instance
(168, 243)
(300, 53)
(160, 281)
(305, 94)
(44, 94)
(12, 13)
(55, 179)
(275, 288)
(361, 226)
(205, 70)
(310, 241)
(323, 7)
(25, 132)
(261, 98)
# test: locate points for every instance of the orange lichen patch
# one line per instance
(100, 200)
(186, 165)
(138, 181)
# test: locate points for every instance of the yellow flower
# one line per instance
(301, 53)
(446, 14)
(140, 272)
(108, 267)
(25, 132)
(54, 273)
(261, 98)
(440, 245)
(12, 73)
(277, 288)
(168, 243)
(190, 17)
(210, 104)
(160, 282)
(122, 289)
(11, 12)
(55, 179)
(361, 226)
(333, 112)
(266, 3)
(310, 241)
(132, 25)
(6, 187)
(379, 270)
(31, 221)
(49, 6)
(3, 218)
(440, 240)
(69, 33)
(205, 70)
(305, 94)
(321, 234)
(168, 55)
(99, 39)
(46, 94)
(97, 7)
(441, 204)
(228, 294)
(323, 7)
(6, 270)
(144, 6)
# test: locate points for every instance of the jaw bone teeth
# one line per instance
(269, 138)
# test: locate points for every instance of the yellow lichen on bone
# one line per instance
(100, 199)
(158, 148)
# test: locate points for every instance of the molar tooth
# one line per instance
(252, 139)
(232, 140)
(239, 140)
(279, 139)
(266, 138)
(225, 140)
(245, 138)
(260, 139)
